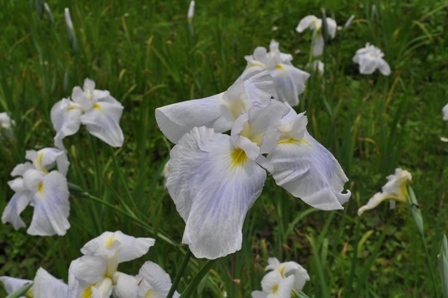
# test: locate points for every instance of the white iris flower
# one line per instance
(96, 109)
(45, 285)
(369, 59)
(289, 81)
(95, 274)
(395, 189)
(153, 282)
(282, 280)
(315, 24)
(215, 178)
(445, 112)
(44, 189)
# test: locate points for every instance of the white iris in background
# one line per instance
(315, 24)
(369, 59)
(289, 81)
(96, 109)
(282, 280)
(45, 190)
(445, 112)
(395, 189)
(45, 285)
(95, 274)
(190, 14)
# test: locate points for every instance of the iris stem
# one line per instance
(430, 266)
(179, 273)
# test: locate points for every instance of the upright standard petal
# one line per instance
(289, 83)
(47, 286)
(125, 286)
(308, 170)
(213, 185)
(102, 121)
(86, 273)
(51, 205)
(153, 281)
(66, 120)
(47, 158)
(318, 47)
(287, 269)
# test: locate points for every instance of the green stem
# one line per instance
(197, 279)
(431, 269)
(179, 273)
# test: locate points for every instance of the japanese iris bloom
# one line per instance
(5, 125)
(215, 178)
(44, 189)
(153, 282)
(95, 274)
(395, 189)
(289, 81)
(369, 59)
(45, 285)
(315, 24)
(282, 280)
(96, 109)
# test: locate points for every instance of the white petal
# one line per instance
(13, 284)
(305, 23)
(66, 119)
(79, 97)
(213, 188)
(155, 280)
(300, 274)
(177, 119)
(373, 202)
(331, 26)
(125, 285)
(105, 245)
(367, 64)
(383, 67)
(289, 83)
(20, 169)
(31, 180)
(308, 170)
(48, 158)
(445, 112)
(259, 294)
(47, 286)
(319, 43)
(51, 206)
(89, 269)
(102, 121)
(277, 286)
(15, 206)
(17, 185)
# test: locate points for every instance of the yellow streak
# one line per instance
(40, 158)
(275, 289)
(238, 157)
(87, 292)
(97, 106)
(282, 270)
(149, 294)
(40, 187)
(110, 241)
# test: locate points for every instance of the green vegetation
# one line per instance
(144, 53)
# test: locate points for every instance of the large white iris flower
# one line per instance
(95, 274)
(215, 178)
(315, 24)
(44, 189)
(370, 58)
(96, 109)
(289, 81)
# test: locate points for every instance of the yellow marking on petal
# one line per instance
(88, 292)
(292, 141)
(282, 270)
(40, 187)
(40, 157)
(238, 157)
(97, 107)
(110, 241)
(279, 66)
(29, 293)
(149, 294)
(275, 289)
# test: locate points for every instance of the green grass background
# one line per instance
(144, 53)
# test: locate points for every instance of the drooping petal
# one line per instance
(367, 65)
(51, 206)
(153, 281)
(213, 185)
(289, 83)
(319, 43)
(384, 67)
(66, 119)
(90, 269)
(125, 286)
(305, 23)
(13, 284)
(331, 26)
(308, 170)
(103, 120)
(20, 169)
(177, 119)
(15, 206)
(374, 201)
(47, 286)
